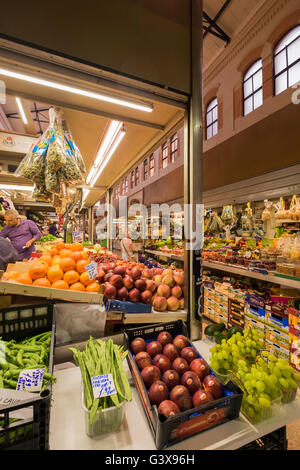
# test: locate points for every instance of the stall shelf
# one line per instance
(163, 254)
(67, 427)
(253, 274)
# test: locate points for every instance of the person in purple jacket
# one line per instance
(21, 233)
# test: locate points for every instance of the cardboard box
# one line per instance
(279, 351)
(278, 321)
(254, 323)
(275, 335)
(257, 313)
(294, 318)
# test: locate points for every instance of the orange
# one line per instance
(47, 258)
(37, 270)
(42, 282)
(68, 246)
(55, 273)
(80, 265)
(53, 251)
(85, 279)
(77, 286)
(56, 259)
(71, 276)
(76, 256)
(84, 255)
(63, 253)
(93, 287)
(67, 263)
(76, 247)
(60, 246)
(60, 285)
(24, 279)
(11, 275)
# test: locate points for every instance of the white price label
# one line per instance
(92, 270)
(30, 380)
(103, 386)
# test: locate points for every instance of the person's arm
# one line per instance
(35, 232)
(3, 232)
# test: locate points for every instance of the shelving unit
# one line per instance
(255, 275)
(166, 255)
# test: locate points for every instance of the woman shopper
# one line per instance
(21, 233)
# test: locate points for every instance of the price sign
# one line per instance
(30, 380)
(92, 270)
(103, 386)
(77, 236)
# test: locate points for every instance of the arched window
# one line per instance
(287, 61)
(252, 87)
(212, 118)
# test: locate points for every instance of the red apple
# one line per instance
(164, 338)
(140, 284)
(150, 374)
(146, 297)
(200, 367)
(134, 295)
(162, 362)
(110, 292)
(168, 408)
(138, 345)
(163, 291)
(181, 341)
(201, 397)
(181, 396)
(158, 392)
(120, 270)
(171, 378)
(213, 385)
(154, 348)
(135, 273)
(116, 280)
(180, 365)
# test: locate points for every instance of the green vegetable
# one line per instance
(99, 358)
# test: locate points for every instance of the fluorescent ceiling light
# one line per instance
(16, 187)
(85, 194)
(108, 156)
(5, 192)
(21, 109)
(59, 86)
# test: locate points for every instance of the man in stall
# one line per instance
(22, 233)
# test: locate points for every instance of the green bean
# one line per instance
(20, 357)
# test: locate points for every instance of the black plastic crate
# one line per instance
(31, 433)
(167, 432)
(275, 440)
(23, 321)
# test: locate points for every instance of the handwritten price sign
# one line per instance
(92, 270)
(103, 386)
(30, 380)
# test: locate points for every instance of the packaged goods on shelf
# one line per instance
(279, 351)
(294, 338)
(254, 323)
(275, 335)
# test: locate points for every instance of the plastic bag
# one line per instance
(281, 211)
(32, 166)
(294, 212)
(73, 149)
(56, 149)
(266, 215)
(227, 215)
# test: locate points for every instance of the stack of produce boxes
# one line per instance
(294, 338)
(236, 307)
(277, 321)
(209, 300)
(255, 311)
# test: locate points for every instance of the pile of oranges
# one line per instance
(63, 267)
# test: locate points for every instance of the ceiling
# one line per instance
(88, 118)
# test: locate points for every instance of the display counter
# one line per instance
(67, 425)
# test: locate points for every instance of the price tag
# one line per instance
(30, 380)
(103, 386)
(77, 236)
(92, 270)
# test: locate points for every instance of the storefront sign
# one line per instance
(103, 386)
(30, 380)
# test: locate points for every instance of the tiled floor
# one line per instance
(293, 435)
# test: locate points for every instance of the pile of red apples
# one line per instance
(134, 282)
(175, 377)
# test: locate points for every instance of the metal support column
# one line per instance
(91, 224)
(193, 168)
(109, 218)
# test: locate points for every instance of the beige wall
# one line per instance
(267, 138)
(147, 39)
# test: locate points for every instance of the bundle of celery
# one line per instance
(100, 358)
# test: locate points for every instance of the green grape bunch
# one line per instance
(264, 378)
